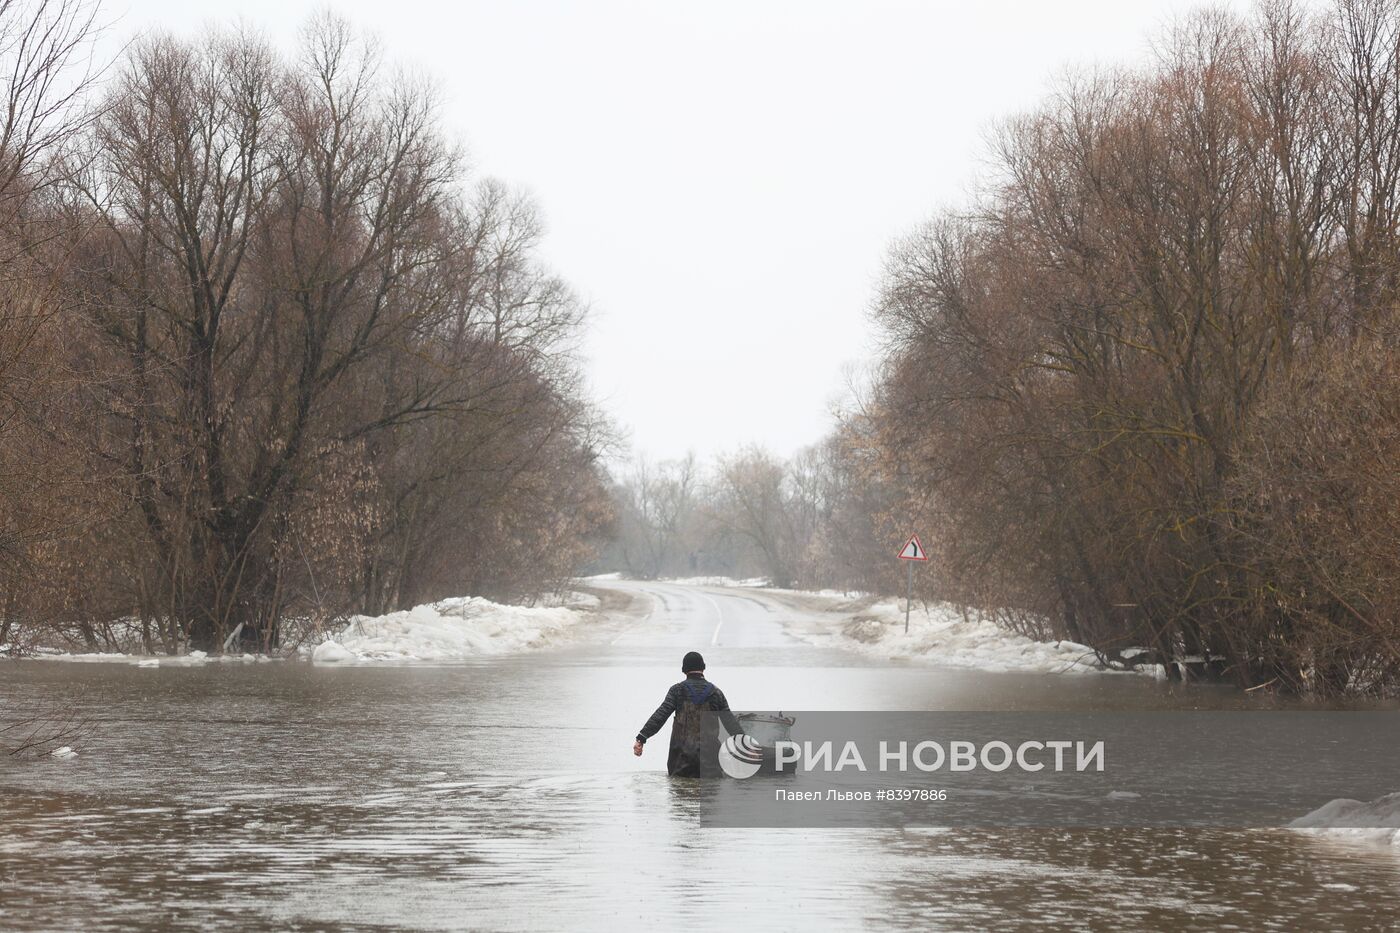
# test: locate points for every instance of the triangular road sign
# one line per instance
(913, 549)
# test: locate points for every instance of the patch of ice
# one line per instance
(192, 659)
(1376, 822)
(1122, 795)
(64, 752)
(453, 629)
(332, 652)
(51, 654)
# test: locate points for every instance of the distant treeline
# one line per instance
(823, 518)
(1145, 393)
(266, 350)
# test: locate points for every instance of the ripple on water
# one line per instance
(187, 815)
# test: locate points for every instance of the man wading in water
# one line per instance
(695, 733)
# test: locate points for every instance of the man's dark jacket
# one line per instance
(698, 706)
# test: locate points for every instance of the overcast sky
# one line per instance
(721, 179)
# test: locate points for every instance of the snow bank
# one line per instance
(574, 599)
(727, 582)
(941, 634)
(1374, 823)
(191, 659)
(454, 629)
(332, 652)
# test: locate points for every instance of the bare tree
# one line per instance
(751, 502)
(321, 373)
(45, 71)
(657, 511)
(1074, 366)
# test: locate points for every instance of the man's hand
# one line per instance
(637, 748)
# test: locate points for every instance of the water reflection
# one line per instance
(504, 796)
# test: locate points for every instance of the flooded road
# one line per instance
(503, 794)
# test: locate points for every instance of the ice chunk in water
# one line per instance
(332, 652)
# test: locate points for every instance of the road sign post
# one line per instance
(912, 551)
(909, 603)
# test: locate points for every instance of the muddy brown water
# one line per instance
(501, 794)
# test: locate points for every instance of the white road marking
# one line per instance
(714, 639)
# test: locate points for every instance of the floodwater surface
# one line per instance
(502, 794)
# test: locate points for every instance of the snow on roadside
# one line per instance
(450, 630)
(727, 582)
(453, 629)
(190, 659)
(1376, 822)
(751, 583)
(940, 634)
(573, 599)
